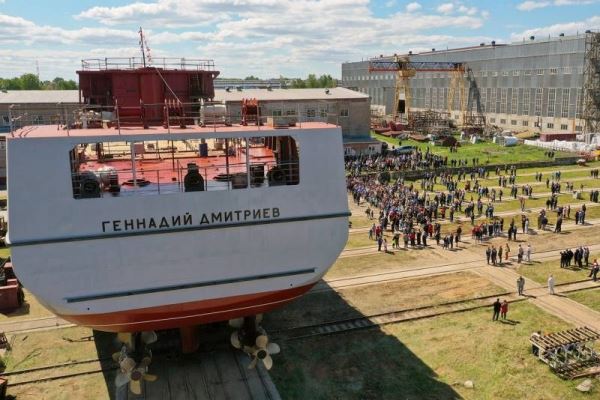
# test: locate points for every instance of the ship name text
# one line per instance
(188, 220)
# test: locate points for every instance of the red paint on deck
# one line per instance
(209, 167)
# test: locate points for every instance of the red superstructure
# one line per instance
(140, 93)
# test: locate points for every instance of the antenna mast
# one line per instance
(142, 40)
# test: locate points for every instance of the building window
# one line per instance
(564, 112)
(514, 102)
(563, 127)
(526, 100)
(5, 119)
(483, 99)
(276, 113)
(484, 73)
(311, 113)
(504, 73)
(525, 123)
(344, 112)
(503, 101)
(527, 72)
(492, 107)
(323, 113)
(551, 102)
(516, 72)
(539, 71)
(578, 128)
(503, 121)
(290, 112)
(567, 70)
(494, 73)
(579, 108)
(553, 71)
(550, 125)
(538, 102)
(513, 121)
(492, 120)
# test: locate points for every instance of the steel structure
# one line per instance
(405, 69)
(591, 84)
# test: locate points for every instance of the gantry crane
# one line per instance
(405, 69)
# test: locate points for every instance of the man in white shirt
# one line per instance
(551, 284)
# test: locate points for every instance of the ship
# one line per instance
(152, 207)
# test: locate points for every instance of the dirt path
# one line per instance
(557, 304)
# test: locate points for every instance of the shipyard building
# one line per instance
(540, 84)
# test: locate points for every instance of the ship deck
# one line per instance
(59, 131)
(158, 169)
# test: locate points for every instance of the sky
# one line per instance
(267, 38)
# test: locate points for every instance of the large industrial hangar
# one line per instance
(534, 85)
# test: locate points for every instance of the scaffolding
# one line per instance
(473, 118)
(429, 121)
(591, 85)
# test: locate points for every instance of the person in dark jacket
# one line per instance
(497, 306)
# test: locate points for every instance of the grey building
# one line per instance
(344, 107)
(533, 85)
(37, 107)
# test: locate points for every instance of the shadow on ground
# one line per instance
(361, 364)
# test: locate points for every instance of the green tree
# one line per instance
(298, 84)
(312, 81)
(30, 82)
(251, 78)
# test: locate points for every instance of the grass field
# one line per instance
(590, 298)
(426, 359)
(540, 271)
(487, 152)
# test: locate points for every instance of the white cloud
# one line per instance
(391, 3)
(556, 29)
(259, 37)
(445, 8)
(412, 7)
(532, 5)
(467, 10)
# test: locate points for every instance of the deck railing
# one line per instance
(129, 63)
(171, 114)
(129, 182)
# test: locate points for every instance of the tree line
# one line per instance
(323, 81)
(32, 82)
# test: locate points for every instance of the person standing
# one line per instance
(551, 284)
(379, 242)
(497, 306)
(520, 254)
(594, 270)
(500, 255)
(488, 254)
(520, 285)
(504, 309)
(528, 252)
(506, 252)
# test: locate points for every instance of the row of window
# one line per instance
(554, 102)
(549, 125)
(430, 75)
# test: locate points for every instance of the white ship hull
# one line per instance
(154, 262)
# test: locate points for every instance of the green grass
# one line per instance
(487, 152)
(590, 298)
(4, 252)
(540, 272)
(426, 359)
